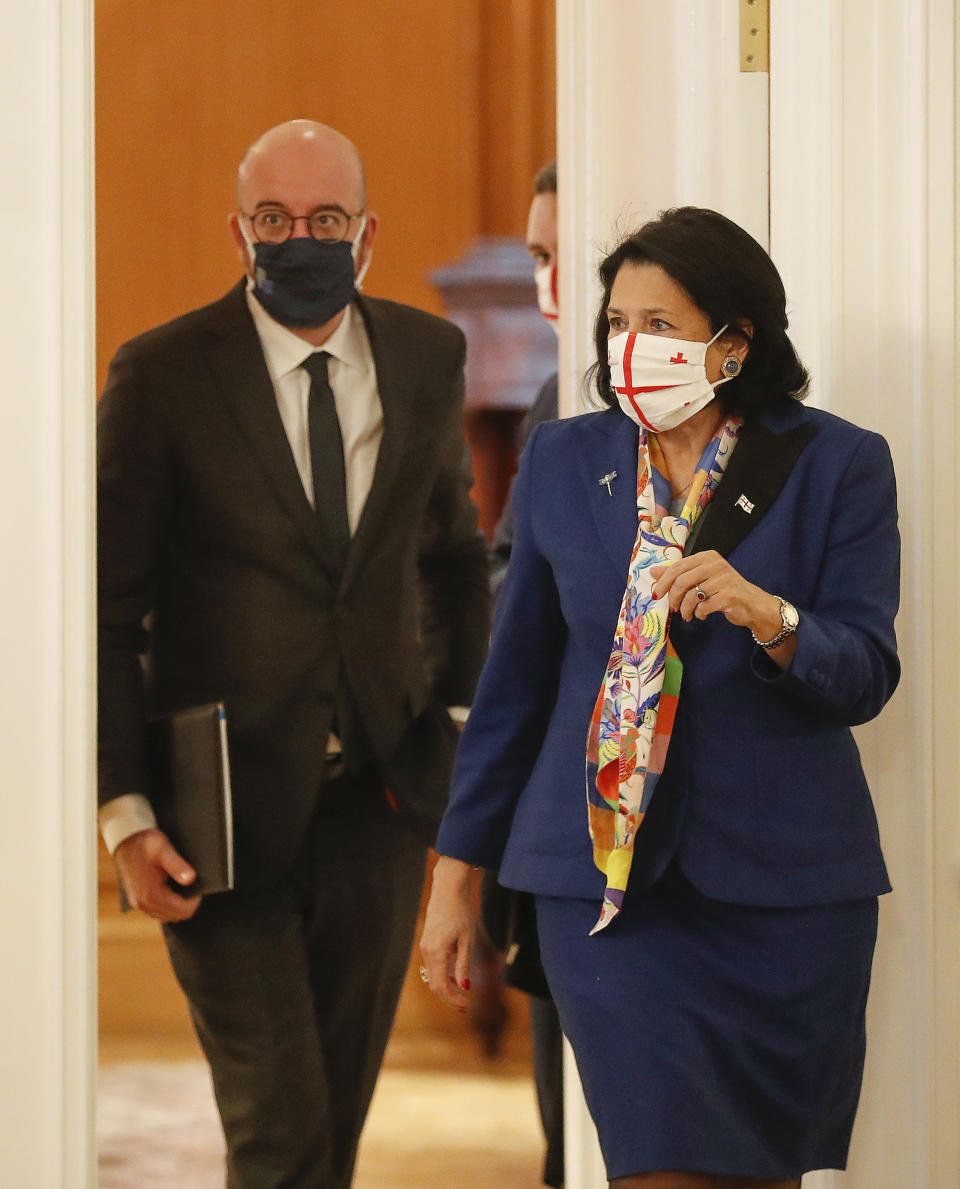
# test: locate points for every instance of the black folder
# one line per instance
(189, 771)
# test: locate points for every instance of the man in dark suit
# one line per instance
(285, 527)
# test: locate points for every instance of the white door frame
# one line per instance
(47, 851)
(864, 210)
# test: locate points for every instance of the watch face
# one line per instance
(789, 615)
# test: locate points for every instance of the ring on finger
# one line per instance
(424, 974)
(702, 595)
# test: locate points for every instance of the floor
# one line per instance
(452, 1110)
(158, 1128)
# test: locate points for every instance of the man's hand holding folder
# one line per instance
(147, 861)
(188, 767)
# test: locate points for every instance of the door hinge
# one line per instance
(755, 35)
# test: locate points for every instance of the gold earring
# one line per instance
(731, 366)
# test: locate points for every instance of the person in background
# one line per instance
(509, 915)
(283, 494)
(541, 242)
(699, 606)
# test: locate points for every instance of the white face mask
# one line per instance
(660, 382)
(546, 280)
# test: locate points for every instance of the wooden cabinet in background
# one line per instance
(511, 350)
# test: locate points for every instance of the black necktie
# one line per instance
(330, 504)
(326, 456)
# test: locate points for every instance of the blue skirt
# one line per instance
(714, 1037)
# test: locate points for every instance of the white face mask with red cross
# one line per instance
(546, 282)
(660, 382)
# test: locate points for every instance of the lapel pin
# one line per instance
(607, 479)
(746, 504)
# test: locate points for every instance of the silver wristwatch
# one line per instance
(788, 617)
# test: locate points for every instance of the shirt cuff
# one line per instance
(123, 817)
(458, 714)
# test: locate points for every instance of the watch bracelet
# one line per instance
(777, 639)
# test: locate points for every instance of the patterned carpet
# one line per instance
(158, 1129)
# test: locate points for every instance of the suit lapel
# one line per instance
(610, 446)
(241, 371)
(758, 469)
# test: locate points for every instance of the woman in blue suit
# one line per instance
(699, 607)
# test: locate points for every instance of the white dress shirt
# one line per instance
(353, 380)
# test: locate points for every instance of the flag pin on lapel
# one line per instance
(607, 479)
(746, 504)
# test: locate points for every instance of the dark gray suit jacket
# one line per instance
(214, 571)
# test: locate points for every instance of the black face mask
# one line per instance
(303, 282)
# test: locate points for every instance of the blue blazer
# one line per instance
(763, 800)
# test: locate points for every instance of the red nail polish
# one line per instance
(465, 984)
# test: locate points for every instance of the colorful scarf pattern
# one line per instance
(635, 709)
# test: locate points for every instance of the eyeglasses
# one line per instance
(273, 225)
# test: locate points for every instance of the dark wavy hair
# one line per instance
(732, 280)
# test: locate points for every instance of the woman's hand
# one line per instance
(727, 592)
(447, 939)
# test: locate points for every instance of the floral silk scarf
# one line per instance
(634, 713)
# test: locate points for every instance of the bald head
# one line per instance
(302, 165)
(294, 179)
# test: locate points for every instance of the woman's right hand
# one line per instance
(447, 938)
